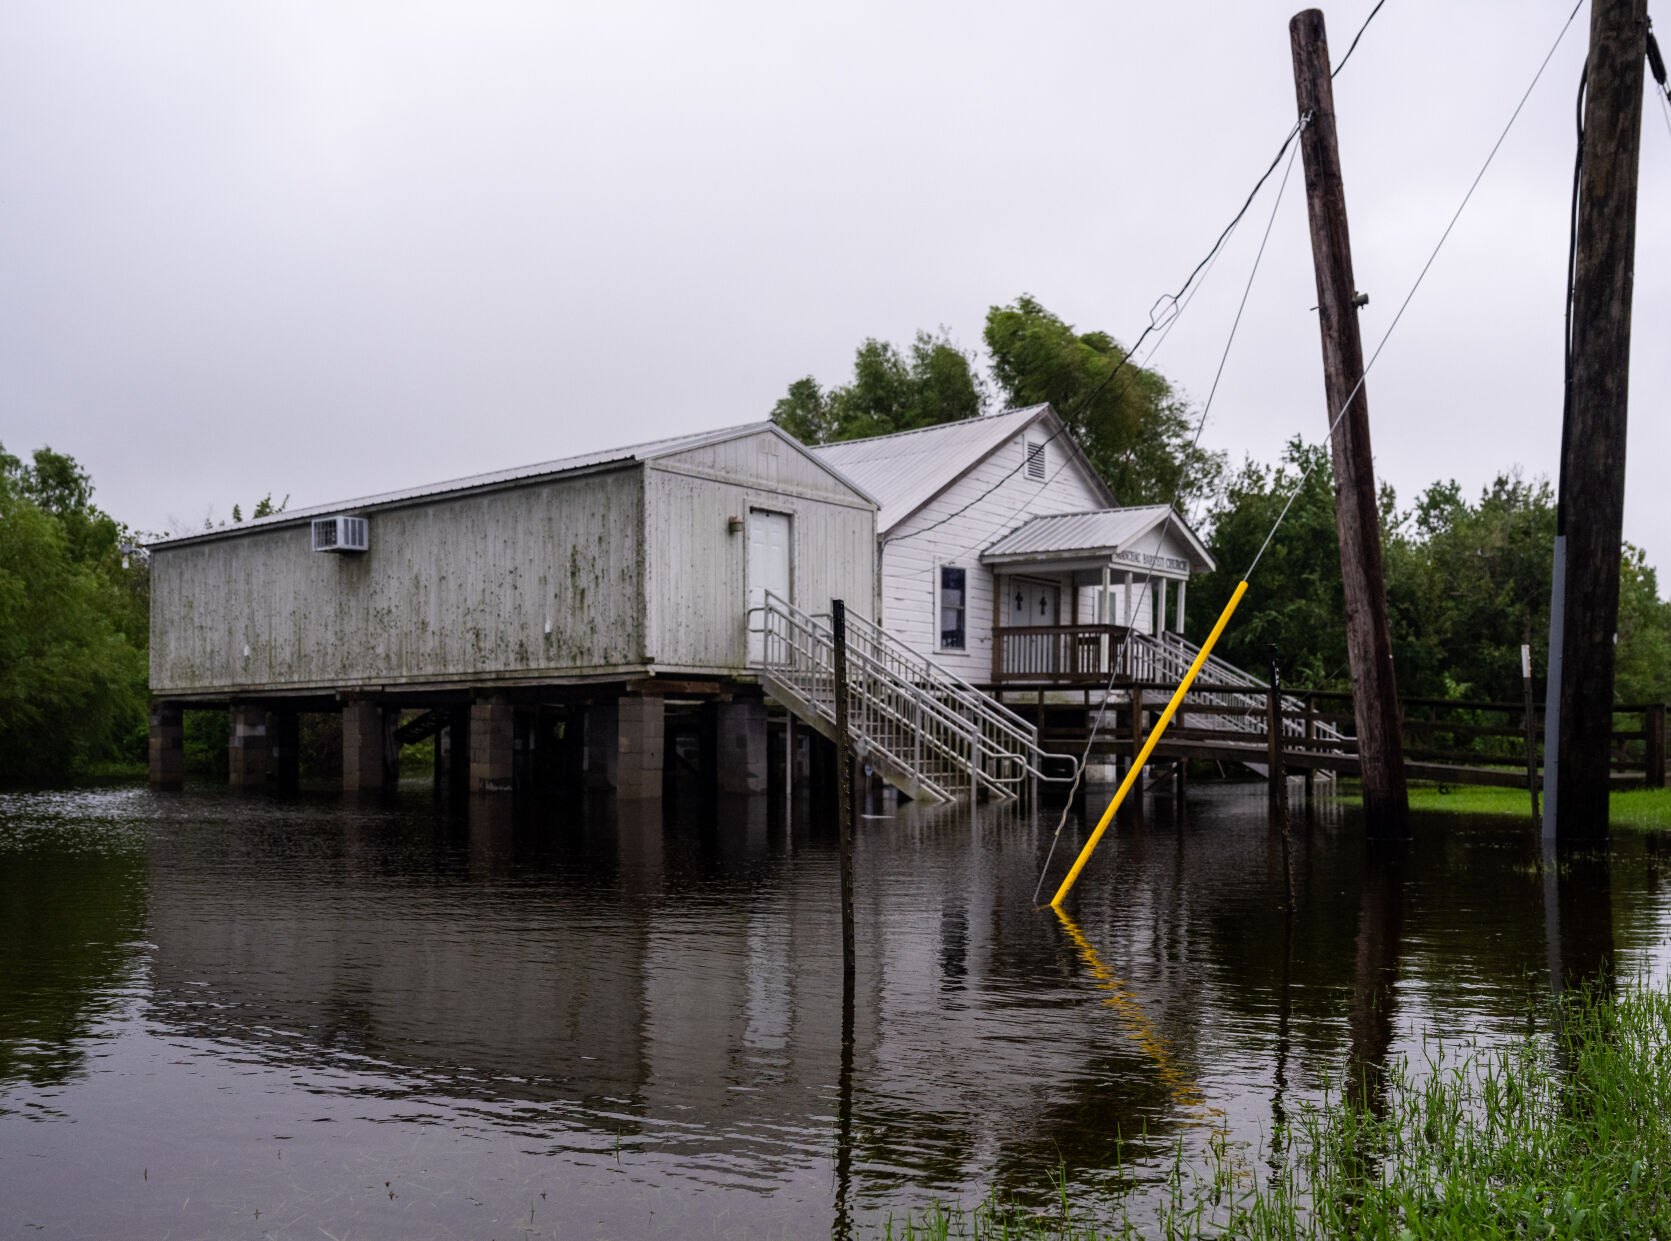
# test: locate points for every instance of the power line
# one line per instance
(1175, 302)
(1422, 275)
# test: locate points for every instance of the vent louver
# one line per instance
(1035, 461)
(341, 534)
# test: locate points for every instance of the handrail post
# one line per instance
(1656, 746)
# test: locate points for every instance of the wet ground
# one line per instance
(234, 1016)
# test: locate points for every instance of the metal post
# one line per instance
(844, 782)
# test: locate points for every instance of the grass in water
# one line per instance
(1563, 1135)
(1644, 809)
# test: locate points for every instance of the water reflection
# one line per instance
(641, 1012)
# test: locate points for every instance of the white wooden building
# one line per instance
(1004, 555)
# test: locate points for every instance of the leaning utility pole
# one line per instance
(1584, 615)
(1368, 637)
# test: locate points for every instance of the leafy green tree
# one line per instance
(73, 626)
(1129, 421)
(1295, 600)
(933, 382)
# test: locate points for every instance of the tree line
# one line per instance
(1468, 578)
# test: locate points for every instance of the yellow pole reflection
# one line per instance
(1186, 1094)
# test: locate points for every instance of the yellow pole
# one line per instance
(1136, 771)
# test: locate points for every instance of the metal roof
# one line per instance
(1099, 532)
(906, 470)
(500, 478)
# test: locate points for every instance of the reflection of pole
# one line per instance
(1380, 927)
(842, 1230)
(1279, 774)
(844, 783)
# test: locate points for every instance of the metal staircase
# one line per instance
(929, 734)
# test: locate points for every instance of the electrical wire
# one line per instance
(1179, 300)
(1421, 276)
(1166, 526)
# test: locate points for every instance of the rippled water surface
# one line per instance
(235, 1016)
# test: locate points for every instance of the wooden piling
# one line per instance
(844, 784)
(1368, 635)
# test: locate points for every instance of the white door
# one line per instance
(768, 568)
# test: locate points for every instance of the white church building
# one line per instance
(1004, 556)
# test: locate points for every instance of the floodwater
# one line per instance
(228, 1016)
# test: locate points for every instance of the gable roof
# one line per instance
(611, 458)
(906, 470)
(1098, 532)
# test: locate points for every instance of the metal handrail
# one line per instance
(1004, 724)
(800, 651)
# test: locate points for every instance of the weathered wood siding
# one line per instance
(452, 589)
(697, 574)
(913, 554)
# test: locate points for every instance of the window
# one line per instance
(1035, 461)
(954, 601)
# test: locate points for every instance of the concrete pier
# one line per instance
(284, 737)
(740, 745)
(168, 746)
(641, 739)
(364, 739)
(247, 747)
(492, 744)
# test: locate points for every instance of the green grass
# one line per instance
(1564, 1134)
(1647, 809)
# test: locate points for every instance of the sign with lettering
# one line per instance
(1174, 563)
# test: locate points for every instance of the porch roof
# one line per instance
(1128, 535)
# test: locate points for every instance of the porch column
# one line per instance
(1129, 618)
(1160, 607)
(492, 744)
(168, 746)
(247, 747)
(1106, 617)
(1180, 625)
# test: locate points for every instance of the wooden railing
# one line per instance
(1493, 734)
(1056, 654)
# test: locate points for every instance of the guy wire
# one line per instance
(1166, 526)
(1422, 275)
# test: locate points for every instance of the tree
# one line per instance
(72, 626)
(1295, 600)
(935, 382)
(1128, 420)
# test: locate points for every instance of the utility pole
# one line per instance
(1584, 615)
(1368, 636)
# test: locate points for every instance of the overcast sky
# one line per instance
(331, 249)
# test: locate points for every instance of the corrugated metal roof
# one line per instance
(909, 468)
(1095, 533)
(496, 478)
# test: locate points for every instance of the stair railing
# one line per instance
(886, 714)
(1009, 741)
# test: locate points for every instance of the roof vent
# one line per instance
(340, 534)
(1035, 461)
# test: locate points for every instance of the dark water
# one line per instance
(227, 1016)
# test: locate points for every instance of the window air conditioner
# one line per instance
(340, 534)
